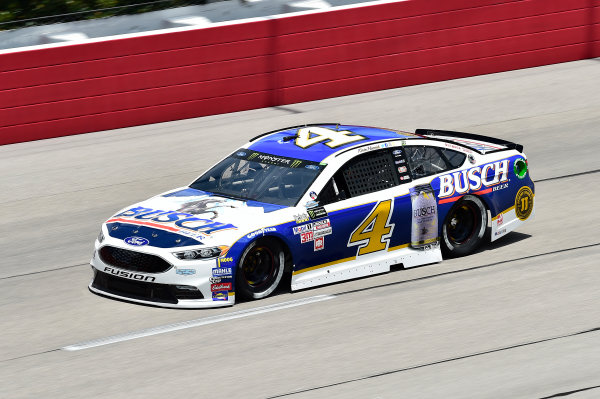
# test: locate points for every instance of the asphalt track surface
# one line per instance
(518, 319)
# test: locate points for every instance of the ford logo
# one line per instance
(137, 241)
(241, 154)
(312, 167)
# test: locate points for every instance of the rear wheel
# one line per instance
(464, 228)
(260, 269)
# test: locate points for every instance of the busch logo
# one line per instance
(472, 179)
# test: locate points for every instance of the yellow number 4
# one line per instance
(375, 231)
(310, 136)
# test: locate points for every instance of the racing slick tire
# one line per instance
(465, 226)
(260, 269)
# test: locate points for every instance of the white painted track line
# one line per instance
(195, 323)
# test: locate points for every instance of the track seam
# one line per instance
(571, 392)
(384, 373)
(589, 172)
(44, 271)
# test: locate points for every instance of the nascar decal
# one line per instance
(180, 222)
(309, 136)
(474, 178)
(374, 233)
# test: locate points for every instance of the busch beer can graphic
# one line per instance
(424, 229)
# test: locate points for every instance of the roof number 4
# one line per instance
(309, 136)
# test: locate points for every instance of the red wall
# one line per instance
(72, 89)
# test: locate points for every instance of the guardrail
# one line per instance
(59, 90)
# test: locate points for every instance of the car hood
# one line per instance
(186, 217)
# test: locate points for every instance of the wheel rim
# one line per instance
(462, 224)
(259, 267)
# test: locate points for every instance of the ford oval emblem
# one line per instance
(312, 167)
(137, 241)
(241, 154)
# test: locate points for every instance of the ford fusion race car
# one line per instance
(324, 203)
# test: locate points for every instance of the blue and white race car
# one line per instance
(321, 203)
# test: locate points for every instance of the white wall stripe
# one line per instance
(195, 323)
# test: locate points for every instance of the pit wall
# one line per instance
(61, 90)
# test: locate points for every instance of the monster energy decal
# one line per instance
(276, 160)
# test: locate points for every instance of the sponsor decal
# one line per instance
(303, 228)
(500, 219)
(500, 232)
(322, 233)
(296, 163)
(214, 280)
(261, 232)
(424, 224)
(136, 241)
(226, 260)
(224, 272)
(474, 178)
(520, 168)
(402, 169)
(500, 187)
(241, 154)
(471, 158)
(220, 287)
(220, 296)
(405, 177)
(129, 275)
(185, 272)
(301, 218)
(321, 224)
(317, 213)
(524, 203)
(311, 204)
(319, 243)
(397, 152)
(181, 222)
(306, 237)
(399, 161)
(312, 167)
(313, 195)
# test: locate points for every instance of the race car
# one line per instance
(320, 203)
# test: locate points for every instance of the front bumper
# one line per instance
(187, 284)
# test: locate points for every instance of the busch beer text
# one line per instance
(473, 178)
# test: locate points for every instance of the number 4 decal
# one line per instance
(309, 136)
(375, 231)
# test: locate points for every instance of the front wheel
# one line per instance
(464, 227)
(260, 269)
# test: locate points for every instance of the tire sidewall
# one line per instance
(242, 288)
(453, 250)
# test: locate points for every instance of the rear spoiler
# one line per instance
(447, 133)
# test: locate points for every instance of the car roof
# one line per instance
(282, 142)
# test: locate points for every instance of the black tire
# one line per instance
(465, 226)
(260, 269)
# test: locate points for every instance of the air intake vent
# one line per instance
(134, 261)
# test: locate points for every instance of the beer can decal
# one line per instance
(424, 230)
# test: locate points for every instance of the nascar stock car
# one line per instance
(322, 203)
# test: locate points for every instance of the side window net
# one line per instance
(372, 172)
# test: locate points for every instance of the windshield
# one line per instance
(253, 175)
